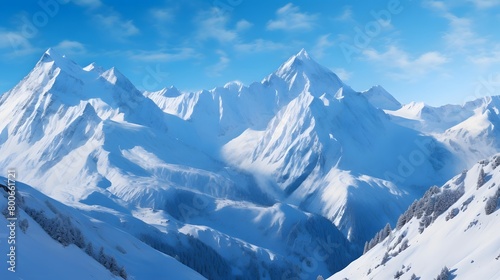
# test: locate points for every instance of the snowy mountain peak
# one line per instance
(93, 67)
(234, 85)
(380, 98)
(302, 54)
(300, 62)
(58, 60)
(170, 92)
(112, 75)
(300, 72)
(115, 77)
(51, 55)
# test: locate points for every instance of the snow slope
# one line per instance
(380, 98)
(326, 150)
(64, 125)
(39, 255)
(477, 136)
(463, 236)
(225, 112)
(428, 119)
(88, 138)
(468, 130)
(300, 157)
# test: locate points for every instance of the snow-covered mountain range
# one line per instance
(257, 177)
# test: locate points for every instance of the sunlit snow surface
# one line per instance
(258, 173)
(468, 244)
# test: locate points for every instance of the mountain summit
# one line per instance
(51, 55)
(381, 99)
(300, 72)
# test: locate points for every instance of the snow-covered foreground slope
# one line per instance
(60, 242)
(455, 226)
(270, 243)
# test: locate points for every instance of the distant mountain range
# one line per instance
(257, 177)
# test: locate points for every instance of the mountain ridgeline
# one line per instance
(283, 178)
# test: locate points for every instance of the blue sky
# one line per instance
(433, 51)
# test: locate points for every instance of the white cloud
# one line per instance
(163, 15)
(16, 43)
(88, 3)
(484, 4)
(289, 18)
(68, 47)
(259, 45)
(164, 55)
(346, 14)
(322, 45)
(486, 58)
(118, 27)
(461, 34)
(439, 6)
(221, 65)
(213, 25)
(13, 40)
(243, 25)
(162, 18)
(403, 66)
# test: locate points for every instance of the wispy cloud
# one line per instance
(88, 3)
(290, 18)
(485, 4)
(487, 58)
(69, 47)
(259, 45)
(9, 39)
(243, 24)
(322, 45)
(162, 18)
(404, 66)
(213, 24)
(163, 15)
(438, 6)
(15, 44)
(346, 14)
(117, 26)
(164, 55)
(460, 34)
(216, 69)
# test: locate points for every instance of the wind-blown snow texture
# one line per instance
(256, 177)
